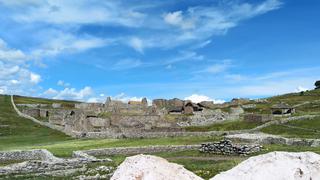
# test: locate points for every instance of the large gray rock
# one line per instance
(276, 166)
(146, 167)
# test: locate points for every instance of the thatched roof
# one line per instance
(281, 106)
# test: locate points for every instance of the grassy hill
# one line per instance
(15, 130)
(21, 133)
(34, 100)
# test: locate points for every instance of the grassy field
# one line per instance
(225, 126)
(296, 129)
(16, 131)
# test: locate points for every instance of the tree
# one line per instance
(317, 84)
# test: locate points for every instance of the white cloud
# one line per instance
(217, 68)
(73, 94)
(176, 18)
(127, 64)
(50, 92)
(3, 90)
(300, 88)
(196, 98)
(200, 23)
(60, 42)
(11, 55)
(13, 81)
(63, 84)
(15, 75)
(125, 98)
(35, 78)
(137, 44)
(80, 12)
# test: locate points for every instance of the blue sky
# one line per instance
(199, 50)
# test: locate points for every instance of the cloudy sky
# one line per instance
(209, 49)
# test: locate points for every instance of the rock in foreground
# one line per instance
(276, 166)
(146, 167)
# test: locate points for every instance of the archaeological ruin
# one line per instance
(117, 119)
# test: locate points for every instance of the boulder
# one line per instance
(276, 166)
(147, 167)
(206, 104)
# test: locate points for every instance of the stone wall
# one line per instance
(260, 118)
(140, 150)
(39, 154)
(42, 161)
(262, 138)
(37, 121)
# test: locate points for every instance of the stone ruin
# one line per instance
(42, 162)
(226, 147)
(117, 119)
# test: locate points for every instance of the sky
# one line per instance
(200, 50)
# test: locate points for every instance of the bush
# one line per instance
(317, 84)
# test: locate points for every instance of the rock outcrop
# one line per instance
(145, 167)
(276, 166)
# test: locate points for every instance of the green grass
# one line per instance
(33, 100)
(20, 131)
(296, 98)
(296, 129)
(5, 163)
(224, 126)
(65, 149)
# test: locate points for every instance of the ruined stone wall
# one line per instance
(258, 117)
(38, 154)
(139, 150)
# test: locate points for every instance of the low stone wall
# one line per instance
(262, 138)
(226, 147)
(43, 161)
(139, 150)
(158, 134)
(38, 154)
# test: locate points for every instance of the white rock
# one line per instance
(146, 167)
(276, 166)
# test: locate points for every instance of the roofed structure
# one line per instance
(282, 109)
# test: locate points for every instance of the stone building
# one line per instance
(257, 118)
(282, 109)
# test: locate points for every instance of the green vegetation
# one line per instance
(5, 163)
(20, 133)
(296, 98)
(296, 129)
(16, 131)
(33, 100)
(225, 126)
(65, 149)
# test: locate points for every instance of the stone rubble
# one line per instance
(43, 162)
(226, 147)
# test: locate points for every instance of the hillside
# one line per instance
(21, 133)
(15, 130)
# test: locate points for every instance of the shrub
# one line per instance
(317, 84)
